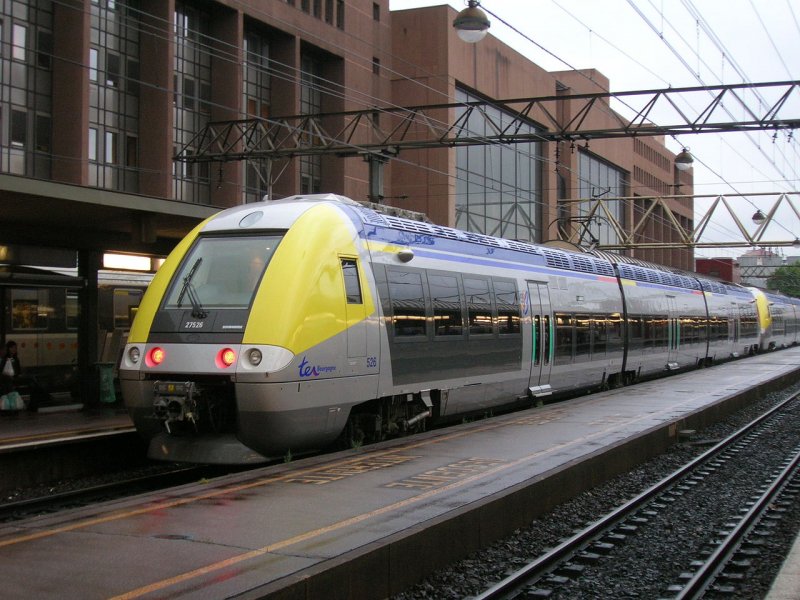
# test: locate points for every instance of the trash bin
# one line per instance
(105, 378)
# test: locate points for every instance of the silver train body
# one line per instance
(279, 327)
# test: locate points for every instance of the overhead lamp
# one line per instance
(759, 217)
(471, 24)
(684, 160)
(796, 242)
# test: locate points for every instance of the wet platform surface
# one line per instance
(364, 523)
(25, 428)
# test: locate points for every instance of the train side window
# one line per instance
(352, 285)
(72, 310)
(448, 318)
(599, 335)
(635, 333)
(124, 300)
(479, 306)
(30, 309)
(537, 339)
(564, 338)
(507, 300)
(408, 303)
(614, 342)
(548, 340)
(583, 335)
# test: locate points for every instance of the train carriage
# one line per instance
(282, 326)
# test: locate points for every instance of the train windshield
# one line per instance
(221, 272)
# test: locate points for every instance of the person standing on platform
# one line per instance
(10, 367)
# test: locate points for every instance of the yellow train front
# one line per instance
(256, 336)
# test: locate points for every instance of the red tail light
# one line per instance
(155, 357)
(226, 357)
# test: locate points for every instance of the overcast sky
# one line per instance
(652, 44)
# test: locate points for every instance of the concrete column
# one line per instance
(89, 263)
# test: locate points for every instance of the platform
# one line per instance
(31, 428)
(367, 523)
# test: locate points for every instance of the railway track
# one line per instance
(595, 561)
(82, 492)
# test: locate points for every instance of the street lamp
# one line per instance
(759, 217)
(471, 24)
(684, 160)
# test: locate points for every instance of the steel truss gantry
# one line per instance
(388, 130)
(601, 209)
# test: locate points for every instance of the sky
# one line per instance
(655, 44)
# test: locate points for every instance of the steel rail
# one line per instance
(548, 562)
(707, 573)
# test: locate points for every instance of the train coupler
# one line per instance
(175, 402)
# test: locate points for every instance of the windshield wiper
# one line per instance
(188, 290)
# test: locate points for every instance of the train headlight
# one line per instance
(134, 355)
(155, 357)
(255, 357)
(226, 357)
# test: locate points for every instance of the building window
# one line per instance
(257, 94)
(376, 11)
(19, 128)
(498, 186)
(92, 143)
(92, 64)
(310, 104)
(111, 148)
(340, 14)
(600, 181)
(19, 41)
(193, 49)
(329, 16)
(376, 66)
(44, 49)
(114, 95)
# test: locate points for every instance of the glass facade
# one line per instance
(310, 104)
(26, 57)
(256, 103)
(599, 179)
(191, 99)
(498, 187)
(114, 96)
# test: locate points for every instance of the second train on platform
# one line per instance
(283, 326)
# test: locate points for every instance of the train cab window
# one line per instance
(479, 306)
(30, 309)
(408, 303)
(221, 272)
(507, 300)
(352, 285)
(447, 314)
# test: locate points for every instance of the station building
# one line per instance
(98, 96)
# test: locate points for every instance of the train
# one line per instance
(279, 327)
(40, 311)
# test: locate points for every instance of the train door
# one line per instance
(541, 339)
(673, 332)
(356, 314)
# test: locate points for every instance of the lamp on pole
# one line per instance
(684, 160)
(471, 24)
